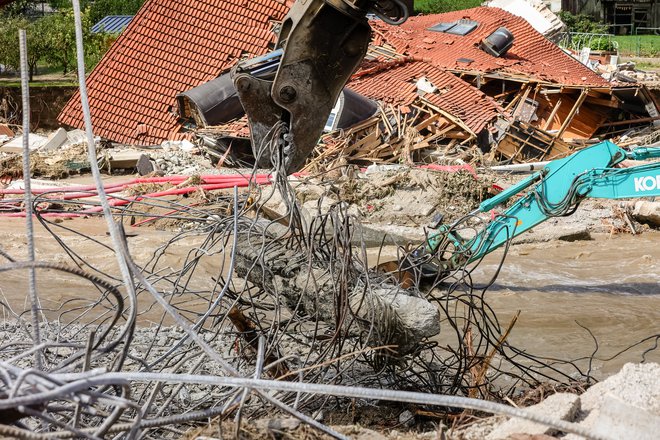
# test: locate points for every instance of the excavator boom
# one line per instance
(556, 190)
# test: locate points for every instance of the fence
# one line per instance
(576, 41)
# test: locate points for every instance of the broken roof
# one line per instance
(167, 48)
(395, 82)
(532, 56)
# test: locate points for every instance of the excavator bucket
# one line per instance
(321, 43)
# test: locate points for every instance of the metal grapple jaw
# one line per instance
(321, 43)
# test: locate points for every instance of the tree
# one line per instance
(59, 35)
(10, 48)
(582, 23)
(19, 8)
(103, 8)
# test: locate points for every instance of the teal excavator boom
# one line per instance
(556, 190)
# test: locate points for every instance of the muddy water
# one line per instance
(609, 285)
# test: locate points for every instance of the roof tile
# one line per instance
(531, 55)
(160, 55)
(395, 82)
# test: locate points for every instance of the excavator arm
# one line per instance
(288, 94)
(556, 190)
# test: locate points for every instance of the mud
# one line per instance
(414, 196)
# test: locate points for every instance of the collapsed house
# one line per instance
(548, 103)
(475, 77)
(167, 48)
(481, 76)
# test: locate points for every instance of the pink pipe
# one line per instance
(65, 196)
(45, 214)
(172, 192)
(61, 189)
(212, 178)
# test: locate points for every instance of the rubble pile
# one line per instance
(624, 405)
(262, 296)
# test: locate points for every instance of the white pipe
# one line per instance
(521, 167)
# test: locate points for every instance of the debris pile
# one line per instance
(290, 298)
(265, 299)
(622, 406)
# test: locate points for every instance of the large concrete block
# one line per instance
(647, 212)
(563, 406)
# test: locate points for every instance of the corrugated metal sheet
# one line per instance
(167, 48)
(112, 24)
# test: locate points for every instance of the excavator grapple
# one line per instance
(289, 93)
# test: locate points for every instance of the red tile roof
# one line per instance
(394, 82)
(169, 47)
(531, 55)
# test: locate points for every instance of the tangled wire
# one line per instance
(242, 313)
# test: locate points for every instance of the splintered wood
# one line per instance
(524, 143)
(392, 135)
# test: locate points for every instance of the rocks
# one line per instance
(620, 420)
(624, 406)
(180, 162)
(563, 406)
(647, 212)
(635, 384)
(635, 390)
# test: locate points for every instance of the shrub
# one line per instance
(582, 23)
(440, 6)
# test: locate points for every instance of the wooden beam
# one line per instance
(630, 121)
(571, 114)
(612, 103)
(553, 113)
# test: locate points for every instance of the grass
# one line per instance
(639, 45)
(648, 65)
(13, 82)
(439, 6)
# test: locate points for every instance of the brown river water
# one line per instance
(610, 285)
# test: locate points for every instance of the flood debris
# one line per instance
(447, 102)
(263, 302)
(619, 407)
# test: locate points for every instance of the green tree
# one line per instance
(103, 8)
(9, 43)
(59, 35)
(9, 49)
(582, 23)
(19, 8)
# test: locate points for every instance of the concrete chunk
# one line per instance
(16, 145)
(647, 212)
(617, 419)
(55, 140)
(563, 406)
